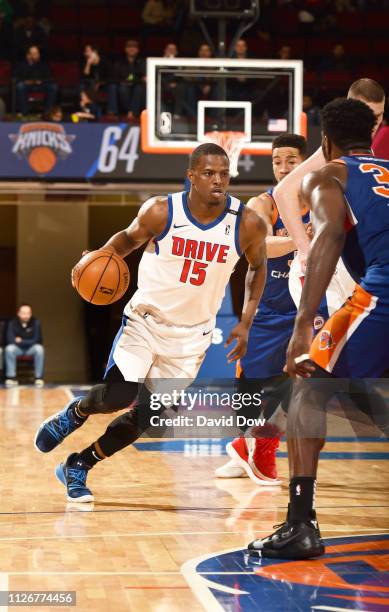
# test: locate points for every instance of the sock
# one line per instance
(91, 455)
(302, 491)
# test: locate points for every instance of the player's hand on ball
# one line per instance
(101, 277)
(73, 278)
(297, 355)
(241, 334)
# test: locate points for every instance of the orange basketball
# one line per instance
(42, 159)
(101, 277)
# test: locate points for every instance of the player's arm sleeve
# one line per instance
(286, 196)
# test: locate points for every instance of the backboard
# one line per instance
(186, 98)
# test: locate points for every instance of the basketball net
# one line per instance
(232, 143)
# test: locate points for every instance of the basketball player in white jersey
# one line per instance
(286, 194)
(193, 242)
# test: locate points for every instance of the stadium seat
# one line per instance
(357, 47)
(285, 21)
(381, 51)
(380, 74)
(319, 46)
(336, 81)
(64, 46)
(64, 19)
(5, 73)
(259, 47)
(377, 21)
(154, 45)
(94, 19)
(118, 45)
(311, 80)
(65, 74)
(127, 3)
(351, 24)
(124, 19)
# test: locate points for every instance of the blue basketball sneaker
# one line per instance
(57, 427)
(73, 474)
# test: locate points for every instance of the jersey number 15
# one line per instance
(196, 270)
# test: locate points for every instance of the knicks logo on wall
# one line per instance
(42, 144)
(352, 575)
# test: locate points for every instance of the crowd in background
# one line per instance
(102, 76)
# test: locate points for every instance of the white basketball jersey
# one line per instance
(184, 271)
(340, 288)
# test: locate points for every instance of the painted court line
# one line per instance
(166, 534)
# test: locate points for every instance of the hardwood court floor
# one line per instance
(154, 512)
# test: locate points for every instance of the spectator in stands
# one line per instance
(33, 75)
(312, 111)
(95, 70)
(241, 49)
(171, 50)
(380, 143)
(238, 88)
(89, 109)
(54, 114)
(204, 51)
(337, 61)
(29, 34)
(153, 13)
(129, 86)
(24, 338)
(284, 52)
(170, 11)
(344, 5)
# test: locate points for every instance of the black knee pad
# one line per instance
(109, 397)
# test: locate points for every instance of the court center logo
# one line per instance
(352, 575)
(42, 144)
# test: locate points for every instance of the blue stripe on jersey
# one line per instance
(203, 226)
(237, 226)
(111, 361)
(169, 219)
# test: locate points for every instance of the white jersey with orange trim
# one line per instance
(184, 271)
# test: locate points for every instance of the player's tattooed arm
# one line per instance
(276, 246)
(149, 222)
(252, 237)
(323, 193)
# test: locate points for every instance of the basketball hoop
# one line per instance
(232, 143)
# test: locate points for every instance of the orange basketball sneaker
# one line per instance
(257, 457)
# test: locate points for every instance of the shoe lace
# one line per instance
(280, 527)
(77, 477)
(59, 427)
